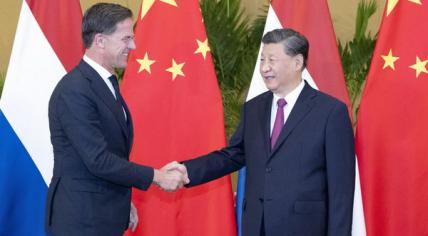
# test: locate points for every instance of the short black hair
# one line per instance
(102, 18)
(294, 42)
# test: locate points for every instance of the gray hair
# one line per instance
(294, 42)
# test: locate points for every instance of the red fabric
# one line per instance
(176, 119)
(392, 130)
(312, 19)
(51, 17)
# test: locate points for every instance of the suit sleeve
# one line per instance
(218, 163)
(80, 121)
(340, 157)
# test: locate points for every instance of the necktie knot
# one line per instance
(281, 103)
(279, 121)
(113, 81)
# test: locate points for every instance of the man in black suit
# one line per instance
(91, 134)
(297, 144)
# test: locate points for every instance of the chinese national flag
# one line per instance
(172, 91)
(392, 129)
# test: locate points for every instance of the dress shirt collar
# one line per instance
(97, 67)
(291, 97)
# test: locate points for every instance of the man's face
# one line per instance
(118, 45)
(280, 72)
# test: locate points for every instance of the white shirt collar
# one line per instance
(291, 97)
(105, 74)
(291, 100)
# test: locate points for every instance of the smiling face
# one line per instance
(118, 44)
(281, 73)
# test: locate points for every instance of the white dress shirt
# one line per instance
(105, 74)
(290, 98)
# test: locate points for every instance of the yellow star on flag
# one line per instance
(420, 66)
(145, 63)
(416, 1)
(392, 3)
(176, 69)
(203, 48)
(147, 4)
(389, 60)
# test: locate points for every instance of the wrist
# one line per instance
(157, 175)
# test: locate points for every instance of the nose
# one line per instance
(131, 45)
(264, 66)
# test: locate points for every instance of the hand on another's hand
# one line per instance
(177, 166)
(171, 177)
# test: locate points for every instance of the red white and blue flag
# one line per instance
(47, 45)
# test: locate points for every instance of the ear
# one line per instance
(99, 40)
(298, 62)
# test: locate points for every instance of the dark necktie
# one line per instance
(279, 122)
(113, 80)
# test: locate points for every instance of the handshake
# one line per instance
(171, 177)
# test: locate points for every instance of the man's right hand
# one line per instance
(171, 177)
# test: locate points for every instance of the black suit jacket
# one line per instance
(90, 191)
(305, 185)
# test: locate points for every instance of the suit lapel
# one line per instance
(265, 111)
(103, 92)
(302, 107)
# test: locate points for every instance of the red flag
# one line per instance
(392, 128)
(172, 91)
(65, 41)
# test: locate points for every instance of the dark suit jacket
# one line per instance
(90, 191)
(305, 185)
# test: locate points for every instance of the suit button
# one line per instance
(268, 170)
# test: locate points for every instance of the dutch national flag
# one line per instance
(47, 45)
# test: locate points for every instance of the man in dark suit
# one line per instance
(297, 144)
(91, 134)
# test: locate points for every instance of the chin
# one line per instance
(271, 85)
(121, 66)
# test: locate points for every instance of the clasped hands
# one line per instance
(171, 177)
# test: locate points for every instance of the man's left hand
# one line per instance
(133, 218)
